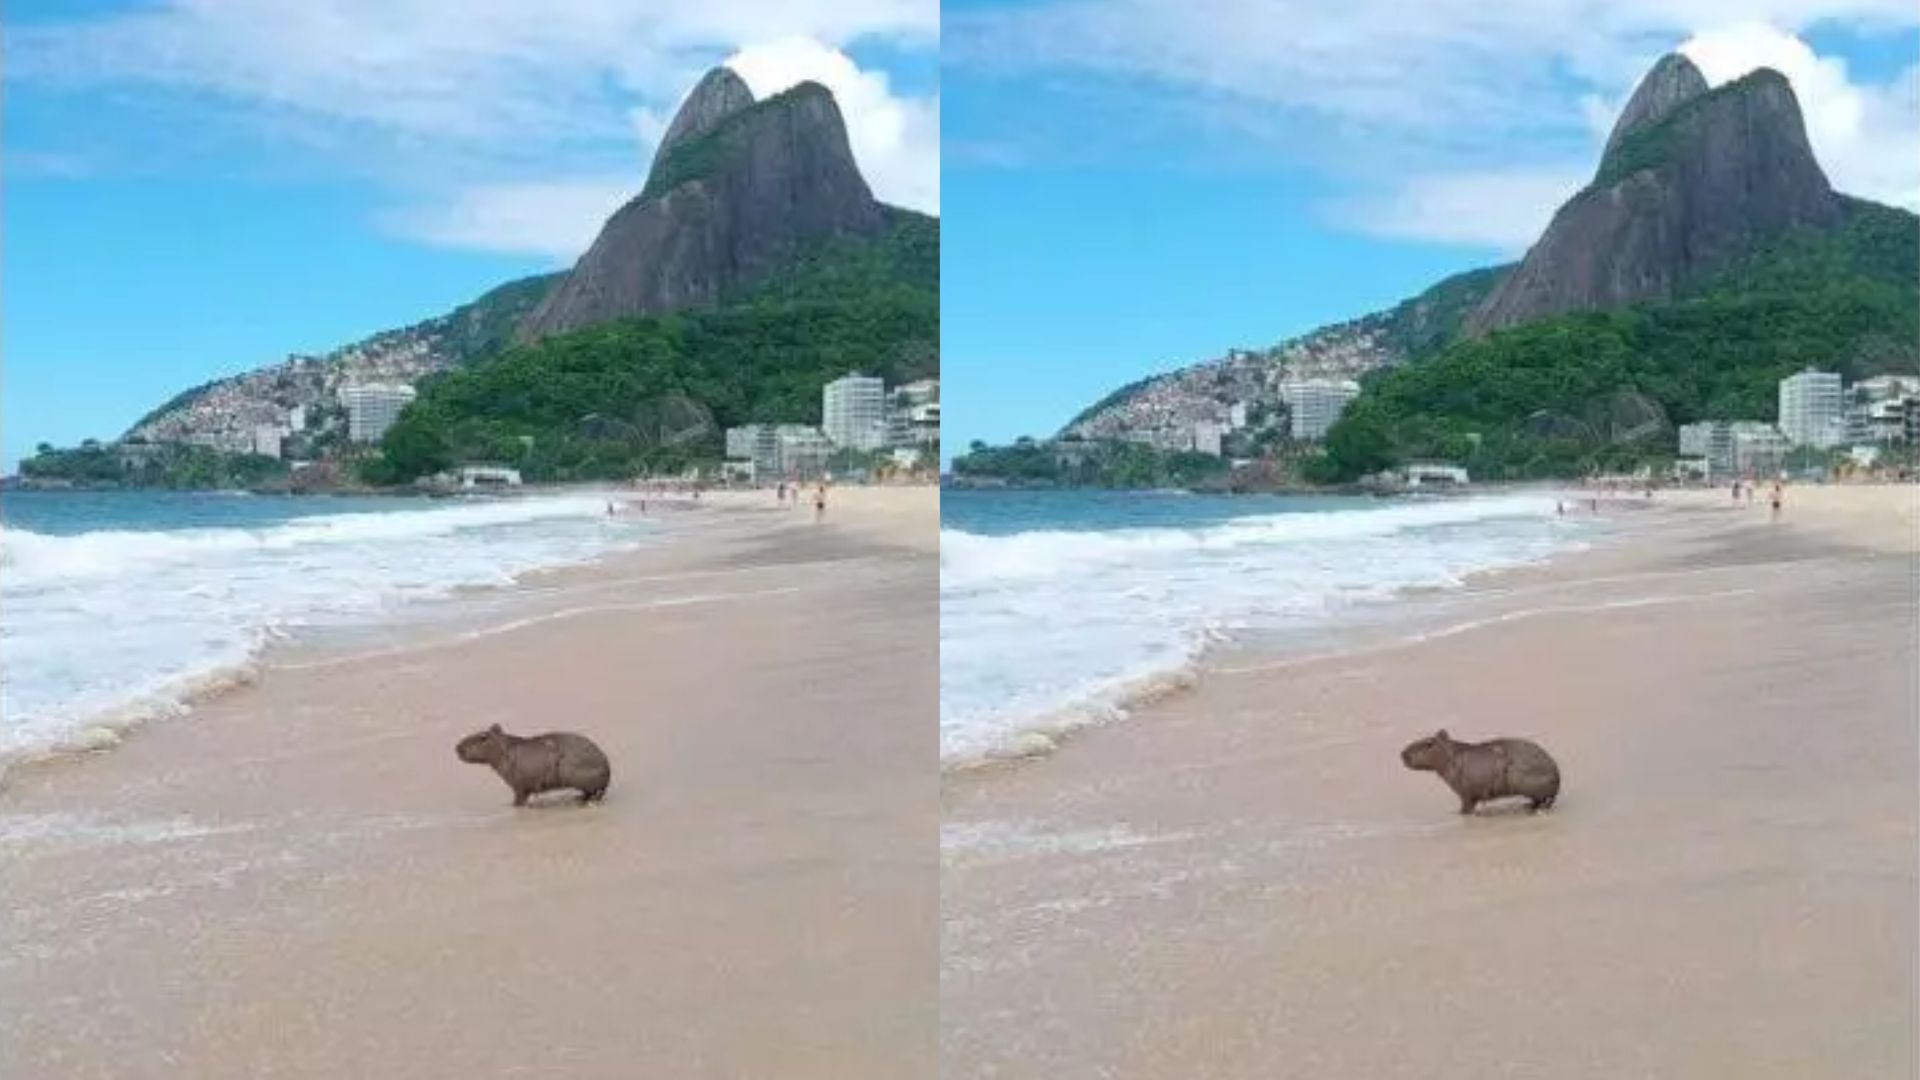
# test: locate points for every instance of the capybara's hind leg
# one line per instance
(1542, 804)
(593, 795)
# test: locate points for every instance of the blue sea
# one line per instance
(1059, 608)
(116, 607)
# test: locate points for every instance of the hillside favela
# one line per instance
(649, 540)
(1706, 308)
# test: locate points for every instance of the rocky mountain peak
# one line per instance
(1690, 181)
(738, 190)
(719, 94)
(1672, 82)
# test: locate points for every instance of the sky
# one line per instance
(1135, 185)
(194, 188)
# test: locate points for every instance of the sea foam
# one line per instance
(1047, 630)
(108, 628)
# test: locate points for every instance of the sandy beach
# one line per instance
(299, 879)
(1242, 880)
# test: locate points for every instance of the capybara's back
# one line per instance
(553, 761)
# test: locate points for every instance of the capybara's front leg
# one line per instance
(1467, 804)
(519, 797)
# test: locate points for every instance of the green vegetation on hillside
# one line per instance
(1604, 390)
(477, 329)
(171, 466)
(644, 394)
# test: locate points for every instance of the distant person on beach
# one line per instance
(609, 509)
(1777, 494)
(1559, 508)
(820, 501)
(1736, 493)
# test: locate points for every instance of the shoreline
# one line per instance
(1244, 872)
(300, 879)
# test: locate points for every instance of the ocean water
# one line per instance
(116, 607)
(1059, 609)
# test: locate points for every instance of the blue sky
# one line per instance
(193, 189)
(1134, 185)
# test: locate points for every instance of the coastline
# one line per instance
(1243, 873)
(300, 879)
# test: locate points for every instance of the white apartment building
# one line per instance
(853, 412)
(266, 440)
(1812, 412)
(1758, 450)
(784, 451)
(1712, 441)
(1314, 404)
(372, 408)
(741, 441)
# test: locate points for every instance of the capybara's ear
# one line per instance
(494, 730)
(1443, 736)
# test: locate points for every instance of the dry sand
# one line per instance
(1243, 881)
(300, 880)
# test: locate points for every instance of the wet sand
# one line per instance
(1243, 881)
(299, 879)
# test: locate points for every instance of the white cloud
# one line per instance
(530, 104)
(557, 219)
(895, 139)
(1503, 210)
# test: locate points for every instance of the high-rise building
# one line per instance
(1811, 409)
(853, 412)
(372, 408)
(1314, 404)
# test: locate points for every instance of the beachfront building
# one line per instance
(741, 441)
(913, 414)
(1314, 404)
(1207, 436)
(1811, 410)
(853, 412)
(297, 418)
(1433, 474)
(266, 440)
(1712, 442)
(779, 451)
(488, 476)
(1758, 449)
(372, 408)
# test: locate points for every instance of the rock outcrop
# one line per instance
(738, 189)
(1691, 179)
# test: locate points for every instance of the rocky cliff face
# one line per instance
(738, 188)
(1691, 178)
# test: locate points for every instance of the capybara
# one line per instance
(1494, 769)
(537, 763)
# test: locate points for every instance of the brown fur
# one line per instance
(537, 763)
(1495, 769)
